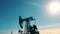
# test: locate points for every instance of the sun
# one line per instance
(53, 8)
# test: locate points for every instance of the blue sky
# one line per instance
(10, 10)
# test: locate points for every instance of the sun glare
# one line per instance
(53, 8)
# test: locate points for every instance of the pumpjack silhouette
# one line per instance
(28, 28)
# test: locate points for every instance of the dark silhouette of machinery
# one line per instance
(29, 29)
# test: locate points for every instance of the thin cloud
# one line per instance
(49, 26)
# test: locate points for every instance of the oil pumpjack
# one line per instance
(28, 28)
